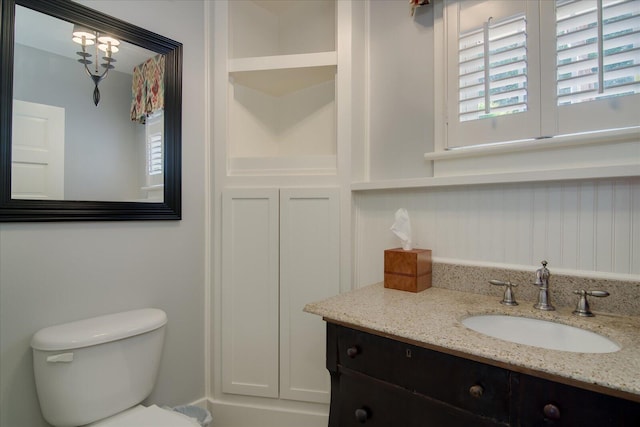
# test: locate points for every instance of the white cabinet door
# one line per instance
(280, 250)
(250, 292)
(309, 271)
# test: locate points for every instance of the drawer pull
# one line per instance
(551, 411)
(353, 351)
(362, 415)
(476, 391)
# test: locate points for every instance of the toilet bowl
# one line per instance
(97, 371)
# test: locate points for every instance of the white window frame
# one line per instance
(615, 152)
(154, 179)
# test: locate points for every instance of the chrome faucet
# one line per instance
(542, 281)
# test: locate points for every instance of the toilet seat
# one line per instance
(151, 416)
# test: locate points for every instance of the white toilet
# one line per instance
(97, 371)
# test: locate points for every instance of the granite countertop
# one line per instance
(432, 317)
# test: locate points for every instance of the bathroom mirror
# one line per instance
(90, 128)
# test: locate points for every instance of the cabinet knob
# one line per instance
(353, 351)
(362, 415)
(476, 391)
(551, 411)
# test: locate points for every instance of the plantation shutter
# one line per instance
(493, 87)
(154, 132)
(154, 154)
(493, 69)
(597, 64)
(592, 67)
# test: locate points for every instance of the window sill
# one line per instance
(611, 154)
(563, 141)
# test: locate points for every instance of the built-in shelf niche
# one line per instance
(282, 87)
(280, 27)
(294, 130)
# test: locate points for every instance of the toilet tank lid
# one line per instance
(98, 330)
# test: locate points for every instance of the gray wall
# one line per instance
(103, 148)
(57, 272)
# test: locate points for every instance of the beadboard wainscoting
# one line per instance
(590, 226)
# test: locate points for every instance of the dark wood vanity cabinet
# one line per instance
(540, 402)
(379, 381)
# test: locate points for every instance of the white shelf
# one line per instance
(291, 165)
(501, 178)
(283, 74)
(278, 62)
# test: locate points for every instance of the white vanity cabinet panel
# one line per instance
(250, 292)
(309, 271)
(280, 250)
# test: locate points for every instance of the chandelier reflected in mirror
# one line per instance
(103, 43)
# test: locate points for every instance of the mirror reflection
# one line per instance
(88, 114)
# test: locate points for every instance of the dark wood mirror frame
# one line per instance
(14, 210)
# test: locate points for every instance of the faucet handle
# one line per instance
(508, 297)
(582, 309)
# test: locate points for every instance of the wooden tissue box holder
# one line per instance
(407, 270)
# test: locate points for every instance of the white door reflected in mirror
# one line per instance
(37, 156)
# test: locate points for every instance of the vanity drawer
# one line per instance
(364, 400)
(468, 385)
(541, 402)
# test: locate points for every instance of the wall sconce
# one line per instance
(107, 44)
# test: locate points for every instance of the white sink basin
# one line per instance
(540, 333)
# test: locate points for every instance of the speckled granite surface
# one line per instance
(623, 299)
(432, 318)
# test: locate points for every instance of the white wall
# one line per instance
(400, 92)
(58, 272)
(586, 226)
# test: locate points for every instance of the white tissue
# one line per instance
(402, 228)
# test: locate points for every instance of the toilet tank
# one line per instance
(91, 369)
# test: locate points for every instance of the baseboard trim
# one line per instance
(202, 403)
(227, 414)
